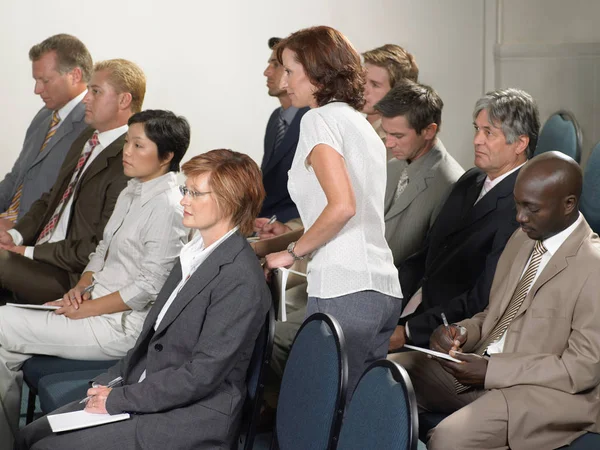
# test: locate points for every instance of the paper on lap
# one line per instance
(433, 353)
(81, 419)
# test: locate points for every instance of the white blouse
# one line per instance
(358, 258)
(139, 247)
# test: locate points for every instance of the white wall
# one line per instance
(205, 60)
(551, 48)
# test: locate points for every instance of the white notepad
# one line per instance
(433, 353)
(43, 307)
(81, 419)
(285, 273)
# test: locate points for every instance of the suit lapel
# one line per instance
(290, 140)
(269, 140)
(102, 160)
(558, 262)
(207, 271)
(516, 270)
(65, 128)
(417, 182)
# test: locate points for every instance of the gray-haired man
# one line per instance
(453, 271)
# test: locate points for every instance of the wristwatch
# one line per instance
(290, 249)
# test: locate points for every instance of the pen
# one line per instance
(270, 222)
(113, 383)
(445, 323)
(88, 289)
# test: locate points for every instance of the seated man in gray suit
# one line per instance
(422, 172)
(62, 67)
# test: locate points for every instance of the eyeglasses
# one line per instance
(193, 194)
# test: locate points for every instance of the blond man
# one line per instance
(50, 245)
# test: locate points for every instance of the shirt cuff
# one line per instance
(17, 237)
(135, 298)
(29, 252)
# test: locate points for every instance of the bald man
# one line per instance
(530, 365)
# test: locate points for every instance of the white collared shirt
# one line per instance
(60, 231)
(488, 184)
(193, 254)
(64, 112)
(552, 245)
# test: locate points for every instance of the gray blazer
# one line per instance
(38, 171)
(197, 359)
(408, 219)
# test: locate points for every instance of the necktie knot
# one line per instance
(94, 140)
(539, 248)
(55, 119)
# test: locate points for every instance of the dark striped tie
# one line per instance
(513, 307)
(280, 130)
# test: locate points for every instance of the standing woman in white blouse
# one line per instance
(337, 181)
(140, 245)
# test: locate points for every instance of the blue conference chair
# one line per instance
(39, 366)
(255, 381)
(589, 204)
(589, 441)
(561, 132)
(58, 389)
(383, 411)
(313, 389)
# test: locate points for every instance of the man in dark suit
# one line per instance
(453, 271)
(44, 254)
(61, 67)
(281, 139)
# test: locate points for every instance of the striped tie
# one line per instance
(13, 210)
(280, 130)
(49, 228)
(513, 307)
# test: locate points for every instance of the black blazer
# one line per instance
(197, 359)
(275, 166)
(456, 266)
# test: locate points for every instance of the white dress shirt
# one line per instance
(489, 184)
(64, 112)
(139, 246)
(193, 254)
(60, 231)
(552, 245)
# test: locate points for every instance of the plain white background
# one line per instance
(205, 60)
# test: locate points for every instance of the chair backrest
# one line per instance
(589, 204)
(255, 381)
(562, 133)
(313, 388)
(382, 412)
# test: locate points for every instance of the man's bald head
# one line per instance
(547, 193)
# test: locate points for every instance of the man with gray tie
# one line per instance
(281, 139)
(421, 173)
(61, 68)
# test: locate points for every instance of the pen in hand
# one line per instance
(111, 384)
(270, 222)
(446, 324)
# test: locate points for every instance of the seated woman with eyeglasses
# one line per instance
(184, 380)
(101, 317)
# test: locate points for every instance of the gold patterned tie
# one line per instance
(513, 307)
(13, 210)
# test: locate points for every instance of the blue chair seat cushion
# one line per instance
(39, 366)
(59, 389)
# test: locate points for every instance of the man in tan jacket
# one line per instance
(530, 370)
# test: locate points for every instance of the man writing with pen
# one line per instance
(537, 344)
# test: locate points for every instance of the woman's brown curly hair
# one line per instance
(330, 62)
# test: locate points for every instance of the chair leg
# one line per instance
(30, 406)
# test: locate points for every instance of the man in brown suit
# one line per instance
(43, 255)
(530, 370)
